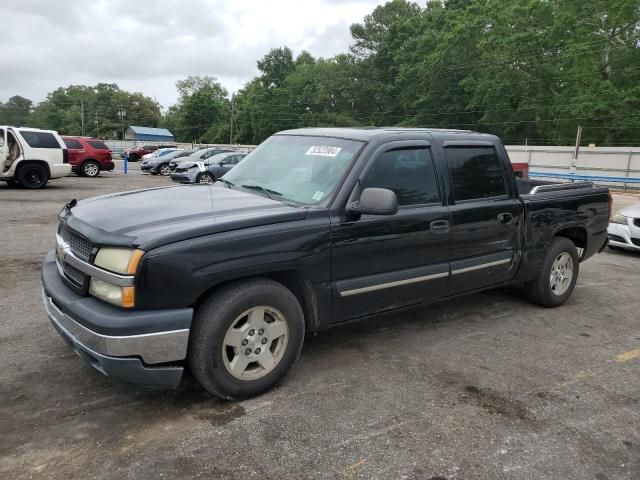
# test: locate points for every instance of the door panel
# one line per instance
(485, 231)
(381, 263)
(384, 262)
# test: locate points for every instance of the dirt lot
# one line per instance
(486, 387)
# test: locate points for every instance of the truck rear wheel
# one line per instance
(555, 282)
(33, 175)
(245, 338)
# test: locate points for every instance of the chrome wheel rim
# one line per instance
(165, 170)
(255, 343)
(91, 169)
(561, 274)
(205, 179)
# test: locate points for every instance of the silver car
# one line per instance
(624, 229)
(160, 164)
(201, 153)
(207, 171)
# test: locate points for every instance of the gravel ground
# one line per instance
(488, 386)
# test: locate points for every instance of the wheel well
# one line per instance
(24, 163)
(90, 160)
(296, 282)
(577, 235)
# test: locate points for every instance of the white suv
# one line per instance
(30, 157)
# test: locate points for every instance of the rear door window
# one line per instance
(98, 145)
(72, 144)
(476, 173)
(40, 139)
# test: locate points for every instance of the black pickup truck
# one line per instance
(314, 228)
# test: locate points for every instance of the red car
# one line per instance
(88, 156)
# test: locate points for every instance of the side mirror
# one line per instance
(375, 201)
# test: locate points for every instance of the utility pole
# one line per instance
(122, 113)
(82, 117)
(97, 125)
(574, 157)
(233, 95)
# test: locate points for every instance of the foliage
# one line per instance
(531, 70)
(101, 105)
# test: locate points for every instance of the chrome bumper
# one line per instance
(152, 348)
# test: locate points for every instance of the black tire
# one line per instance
(202, 178)
(164, 170)
(13, 183)
(540, 289)
(32, 176)
(216, 316)
(90, 168)
(133, 158)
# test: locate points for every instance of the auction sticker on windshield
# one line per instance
(323, 151)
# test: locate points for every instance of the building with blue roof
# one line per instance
(148, 134)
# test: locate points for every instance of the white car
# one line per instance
(159, 153)
(30, 157)
(624, 229)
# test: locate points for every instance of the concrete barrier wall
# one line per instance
(600, 162)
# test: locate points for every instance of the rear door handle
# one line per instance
(505, 218)
(439, 226)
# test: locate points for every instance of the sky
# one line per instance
(146, 45)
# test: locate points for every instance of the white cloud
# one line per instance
(146, 45)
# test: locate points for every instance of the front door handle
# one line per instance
(439, 226)
(505, 218)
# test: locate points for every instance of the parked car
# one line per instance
(161, 152)
(160, 164)
(88, 156)
(136, 153)
(207, 171)
(198, 155)
(624, 228)
(314, 228)
(30, 157)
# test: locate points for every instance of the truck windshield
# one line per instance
(301, 169)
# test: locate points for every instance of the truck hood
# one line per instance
(154, 217)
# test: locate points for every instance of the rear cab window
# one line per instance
(72, 144)
(476, 173)
(40, 139)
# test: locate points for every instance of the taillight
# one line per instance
(65, 155)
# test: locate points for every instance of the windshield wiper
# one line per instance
(227, 183)
(267, 191)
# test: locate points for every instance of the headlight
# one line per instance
(619, 218)
(120, 296)
(124, 261)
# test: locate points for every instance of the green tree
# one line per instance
(16, 111)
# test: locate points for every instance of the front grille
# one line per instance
(616, 238)
(80, 246)
(75, 275)
(636, 241)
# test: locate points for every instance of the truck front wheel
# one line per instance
(245, 338)
(557, 278)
